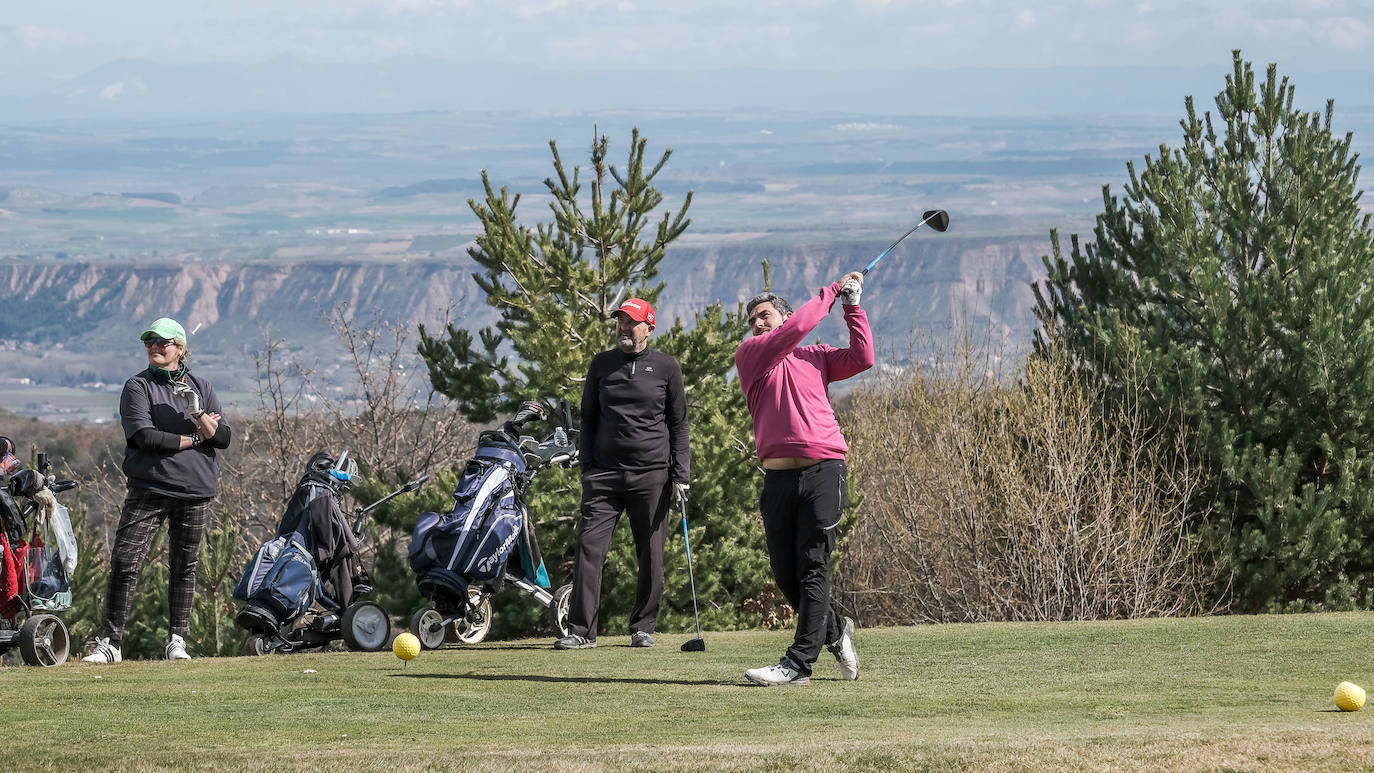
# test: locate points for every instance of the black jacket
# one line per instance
(154, 421)
(634, 414)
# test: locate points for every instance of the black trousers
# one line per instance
(643, 497)
(139, 520)
(801, 510)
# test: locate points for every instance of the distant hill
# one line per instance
(144, 90)
(94, 310)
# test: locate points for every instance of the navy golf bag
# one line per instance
(473, 541)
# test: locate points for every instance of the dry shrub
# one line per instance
(983, 500)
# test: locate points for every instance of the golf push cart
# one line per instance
(37, 558)
(487, 539)
(305, 587)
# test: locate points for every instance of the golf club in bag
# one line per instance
(938, 219)
(698, 644)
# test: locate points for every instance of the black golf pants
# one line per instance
(801, 510)
(643, 497)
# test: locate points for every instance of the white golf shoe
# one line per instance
(176, 649)
(103, 652)
(780, 673)
(844, 652)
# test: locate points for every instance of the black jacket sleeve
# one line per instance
(679, 440)
(591, 411)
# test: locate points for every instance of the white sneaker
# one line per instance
(845, 653)
(780, 673)
(176, 649)
(104, 652)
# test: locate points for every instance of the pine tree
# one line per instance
(1235, 272)
(556, 286)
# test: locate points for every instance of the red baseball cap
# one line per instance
(636, 309)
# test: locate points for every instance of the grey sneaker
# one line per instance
(641, 639)
(844, 652)
(781, 673)
(574, 642)
(104, 652)
(176, 649)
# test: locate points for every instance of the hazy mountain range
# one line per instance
(146, 90)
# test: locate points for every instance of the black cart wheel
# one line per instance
(366, 626)
(558, 610)
(428, 626)
(255, 645)
(43, 641)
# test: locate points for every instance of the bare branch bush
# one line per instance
(393, 422)
(987, 500)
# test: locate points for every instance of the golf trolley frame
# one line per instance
(363, 625)
(41, 637)
(472, 624)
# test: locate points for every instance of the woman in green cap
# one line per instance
(172, 431)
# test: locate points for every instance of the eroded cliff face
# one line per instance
(233, 307)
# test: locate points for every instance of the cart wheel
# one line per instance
(255, 645)
(366, 626)
(558, 610)
(43, 641)
(428, 626)
(475, 624)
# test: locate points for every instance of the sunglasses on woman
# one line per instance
(152, 341)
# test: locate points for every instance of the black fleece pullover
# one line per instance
(154, 421)
(634, 414)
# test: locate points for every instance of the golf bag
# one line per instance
(474, 541)
(313, 552)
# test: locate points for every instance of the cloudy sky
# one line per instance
(60, 39)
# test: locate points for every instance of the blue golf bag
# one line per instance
(283, 580)
(305, 587)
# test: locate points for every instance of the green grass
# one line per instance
(1223, 694)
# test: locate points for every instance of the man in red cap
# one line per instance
(635, 457)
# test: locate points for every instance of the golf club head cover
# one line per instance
(850, 292)
(189, 397)
(529, 411)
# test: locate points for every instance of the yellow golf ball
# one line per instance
(407, 647)
(1348, 697)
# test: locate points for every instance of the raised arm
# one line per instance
(840, 364)
(760, 353)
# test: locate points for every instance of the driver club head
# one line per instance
(937, 219)
(694, 645)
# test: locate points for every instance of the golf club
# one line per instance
(698, 644)
(938, 219)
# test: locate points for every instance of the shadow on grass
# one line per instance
(562, 679)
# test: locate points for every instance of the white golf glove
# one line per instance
(189, 397)
(680, 491)
(850, 292)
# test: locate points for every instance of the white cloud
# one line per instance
(535, 10)
(1346, 34)
(34, 36)
(1025, 19)
(1144, 9)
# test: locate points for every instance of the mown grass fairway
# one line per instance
(1226, 693)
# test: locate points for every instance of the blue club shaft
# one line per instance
(882, 254)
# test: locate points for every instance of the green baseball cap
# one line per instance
(165, 327)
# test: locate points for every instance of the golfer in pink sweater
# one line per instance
(802, 451)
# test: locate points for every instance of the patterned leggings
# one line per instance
(139, 520)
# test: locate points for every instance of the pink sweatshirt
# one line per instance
(787, 386)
